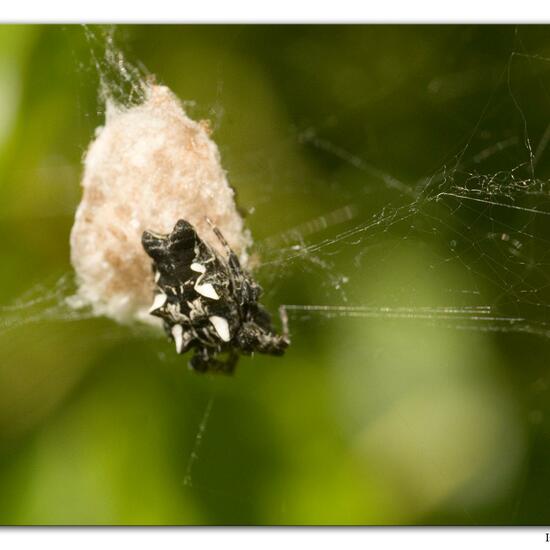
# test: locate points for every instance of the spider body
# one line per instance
(208, 302)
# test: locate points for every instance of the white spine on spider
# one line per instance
(148, 167)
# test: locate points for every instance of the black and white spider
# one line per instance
(207, 302)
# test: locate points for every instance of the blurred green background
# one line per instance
(434, 138)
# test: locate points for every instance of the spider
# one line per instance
(209, 303)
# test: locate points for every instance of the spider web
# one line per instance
(493, 220)
(478, 220)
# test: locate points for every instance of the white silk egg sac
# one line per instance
(149, 166)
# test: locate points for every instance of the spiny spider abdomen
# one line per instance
(208, 303)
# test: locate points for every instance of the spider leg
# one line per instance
(283, 315)
(252, 337)
(232, 257)
(218, 233)
(228, 364)
(204, 360)
(200, 361)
